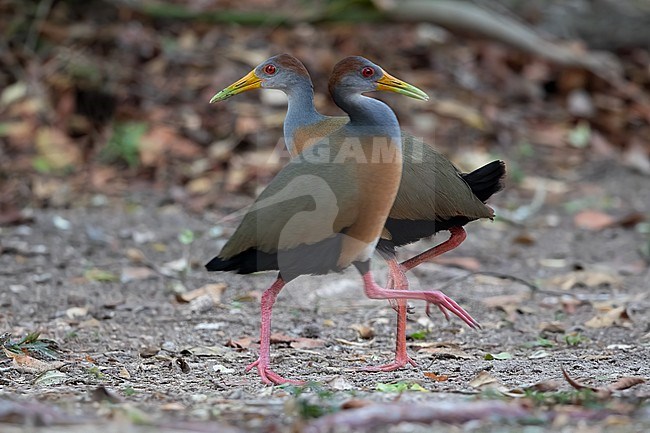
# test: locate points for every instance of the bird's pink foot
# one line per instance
(269, 376)
(444, 303)
(399, 362)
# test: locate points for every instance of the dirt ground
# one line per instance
(137, 358)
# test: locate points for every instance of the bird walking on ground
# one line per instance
(327, 212)
(433, 195)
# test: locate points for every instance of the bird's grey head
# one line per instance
(358, 75)
(283, 72)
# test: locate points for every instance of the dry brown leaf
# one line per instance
(616, 316)
(636, 156)
(587, 278)
(468, 263)
(340, 383)
(366, 332)
(551, 186)
(570, 305)
(510, 304)
(76, 312)
(214, 291)
(436, 377)
(457, 110)
(630, 220)
(625, 383)
(240, 343)
(201, 185)
(356, 404)
(28, 364)
(549, 134)
(423, 344)
(172, 407)
(574, 383)
(306, 343)
(524, 238)
(593, 220)
(57, 149)
(136, 274)
(163, 141)
(135, 255)
(544, 386)
(552, 327)
(485, 380)
(354, 343)
(446, 352)
(500, 301)
(279, 338)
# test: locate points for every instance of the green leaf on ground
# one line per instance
(100, 275)
(419, 335)
(399, 387)
(540, 342)
(31, 344)
(498, 356)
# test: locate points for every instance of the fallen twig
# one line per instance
(503, 276)
(375, 415)
(604, 392)
(467, 17)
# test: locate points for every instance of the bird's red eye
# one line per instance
(367, 72)
(270, 69)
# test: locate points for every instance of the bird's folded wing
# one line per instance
(304, 204)
(432, 188)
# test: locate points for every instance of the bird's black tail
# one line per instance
(486, 180)
(246, 262)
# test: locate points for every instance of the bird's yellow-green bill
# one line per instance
(392, 84)
(250, 81)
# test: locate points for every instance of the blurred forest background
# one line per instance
(98, 96)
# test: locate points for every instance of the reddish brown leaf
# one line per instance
(355, 404)
(625, 383)
(468, 263)
(306, 343)
(574, 383)
(366, 332)
(593, 220)
(240, 343)
(436, 377)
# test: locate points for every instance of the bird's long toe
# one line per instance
(269, 376)
(392, 366)
(445, 303)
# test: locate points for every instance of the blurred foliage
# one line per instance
(87, 88)
(123, 146)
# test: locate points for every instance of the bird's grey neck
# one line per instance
(368, 115)
(300, 112)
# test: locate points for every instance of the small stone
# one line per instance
(169, 346)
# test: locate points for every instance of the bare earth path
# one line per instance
(101, 280)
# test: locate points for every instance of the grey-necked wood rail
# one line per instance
(433, 194)
(326, 210)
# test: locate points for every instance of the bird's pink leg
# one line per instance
(458, 235)
(436, 297)
(263, 362)
(398, 280)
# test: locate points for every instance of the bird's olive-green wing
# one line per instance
(304, 204)
(432, 188)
